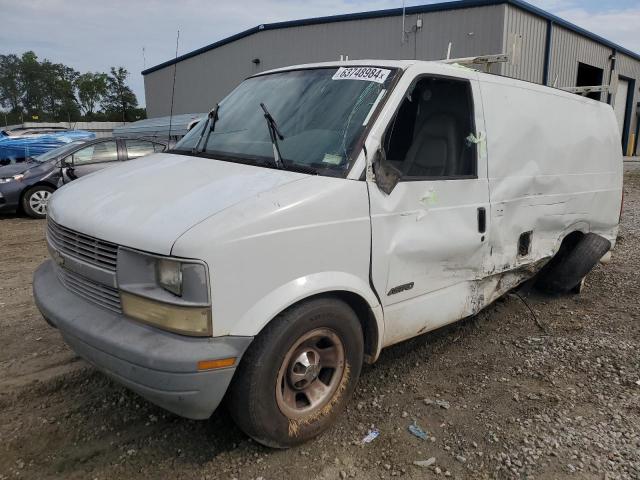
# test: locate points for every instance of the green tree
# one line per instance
(58, 90)
(10, 87)
(120, 101)
(138, 114)
(31, 76)
(51, 91)
(92, 87)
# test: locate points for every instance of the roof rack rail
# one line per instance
(586, 90)
(481, 60)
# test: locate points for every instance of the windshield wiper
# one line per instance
(208, 128)
(275, 134)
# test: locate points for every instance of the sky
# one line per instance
(91, 35)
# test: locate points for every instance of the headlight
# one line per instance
(169, 293)
(17, 178)
(169, 275)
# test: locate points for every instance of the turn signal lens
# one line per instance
(213, 364)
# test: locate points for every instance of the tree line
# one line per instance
(34, 90)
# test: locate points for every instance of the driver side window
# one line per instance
(428, 137)
(97, 153)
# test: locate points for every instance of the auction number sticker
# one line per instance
(370, 74)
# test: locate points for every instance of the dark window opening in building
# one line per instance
(589, 76)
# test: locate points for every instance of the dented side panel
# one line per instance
(551, 165)
(555, 167)
(425, 234)
(427, 249)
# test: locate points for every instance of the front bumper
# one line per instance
(10, 196)
(161, 366)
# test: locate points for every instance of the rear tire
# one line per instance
(567, 270)
(577, 290)
(298, 374)
(35, 199)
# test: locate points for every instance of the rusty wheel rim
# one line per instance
(310, 373)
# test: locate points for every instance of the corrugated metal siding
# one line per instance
(533, 29)
(630, 68)
(208, 77)
(568, 49)
(476, 31)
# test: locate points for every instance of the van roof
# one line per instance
(402, 64)
(453, 68)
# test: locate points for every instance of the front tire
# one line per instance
(298, 374)
(34, 201)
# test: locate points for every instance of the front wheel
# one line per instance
(34, 201)
(298, 374)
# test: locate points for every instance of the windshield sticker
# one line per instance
(369, 74)
(332, 159)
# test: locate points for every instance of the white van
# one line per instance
(319, 214)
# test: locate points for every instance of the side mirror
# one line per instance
(387, 176)
(66, 162)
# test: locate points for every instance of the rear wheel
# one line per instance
(34, 201)
(567, 270)
(578, 288)
(298, 374)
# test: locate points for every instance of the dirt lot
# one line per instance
(520, 402)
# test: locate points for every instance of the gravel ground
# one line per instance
(497, 395)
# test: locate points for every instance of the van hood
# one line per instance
(148, 203)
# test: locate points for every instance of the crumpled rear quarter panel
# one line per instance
(555, 166)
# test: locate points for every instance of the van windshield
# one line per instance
(321, 114)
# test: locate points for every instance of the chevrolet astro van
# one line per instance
(317, 215)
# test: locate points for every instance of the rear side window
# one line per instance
(428, 136)
(140, 148)
(96, 153)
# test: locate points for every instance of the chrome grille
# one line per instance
(94, 292)
(91, 250)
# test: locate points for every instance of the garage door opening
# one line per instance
(589, 76)
(620, 104)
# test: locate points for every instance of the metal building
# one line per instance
(542, 48)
